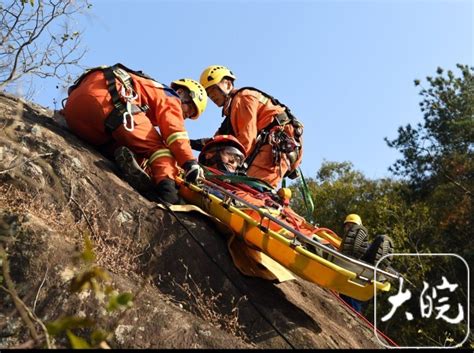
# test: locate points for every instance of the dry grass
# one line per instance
(119, 253)
(17, 201)
(116, 253)
(205, 303)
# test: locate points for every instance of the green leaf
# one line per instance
(88, 254)
(98, 336)
(118, 301)
(68, 322)
(89, 279)
(124, 299)
(77, 342)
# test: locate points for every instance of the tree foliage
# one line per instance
(429, 210)
(338, 190)
(37, 39)
(438, 159)
(440, 150)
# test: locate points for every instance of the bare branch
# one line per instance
(20, 306)
(33, 42)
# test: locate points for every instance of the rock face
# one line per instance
(56, 189)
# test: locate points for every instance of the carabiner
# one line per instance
(125, 122)
(128, 96)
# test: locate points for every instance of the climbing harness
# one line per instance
(124, 102)
(274, 134)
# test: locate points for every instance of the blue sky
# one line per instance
(345, 68)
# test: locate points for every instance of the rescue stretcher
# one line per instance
(307, 258)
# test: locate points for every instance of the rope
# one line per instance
(364, 319)
(227, 276)
(308, 200)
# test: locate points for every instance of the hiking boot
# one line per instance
(355, 242)
(131, 171)
(381, 246)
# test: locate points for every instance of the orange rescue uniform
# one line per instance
(250, 112)
(290, 218)
(158, 135)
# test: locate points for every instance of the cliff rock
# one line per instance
(56, 191)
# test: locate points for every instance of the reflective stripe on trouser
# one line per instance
(85, 112)
(162, 165)
(145, 141)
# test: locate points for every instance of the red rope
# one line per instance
(388, 339)
(327, 230)
(291, 219)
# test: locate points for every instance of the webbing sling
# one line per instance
(115, 118)
(255, 183)
(281, 119)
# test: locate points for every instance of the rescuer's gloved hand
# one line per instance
(193, 171)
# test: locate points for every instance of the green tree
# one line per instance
(440, 149)
(438, 161)
(338, 190)
(429, 209)
(437, 164)
(386, 207)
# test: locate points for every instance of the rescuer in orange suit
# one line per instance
(117, 105)
(270, 134)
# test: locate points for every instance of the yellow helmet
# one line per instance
(214, 74)
(354, 218)
(196, 91)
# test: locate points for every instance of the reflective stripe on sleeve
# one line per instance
(177, 136)
(262, 99)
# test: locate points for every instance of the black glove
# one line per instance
(193, 171)
(167, 192)
(198, 144)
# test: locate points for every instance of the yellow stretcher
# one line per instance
(328, 268)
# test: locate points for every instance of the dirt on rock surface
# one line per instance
(56, 191)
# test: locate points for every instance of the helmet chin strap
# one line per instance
(226, 99)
